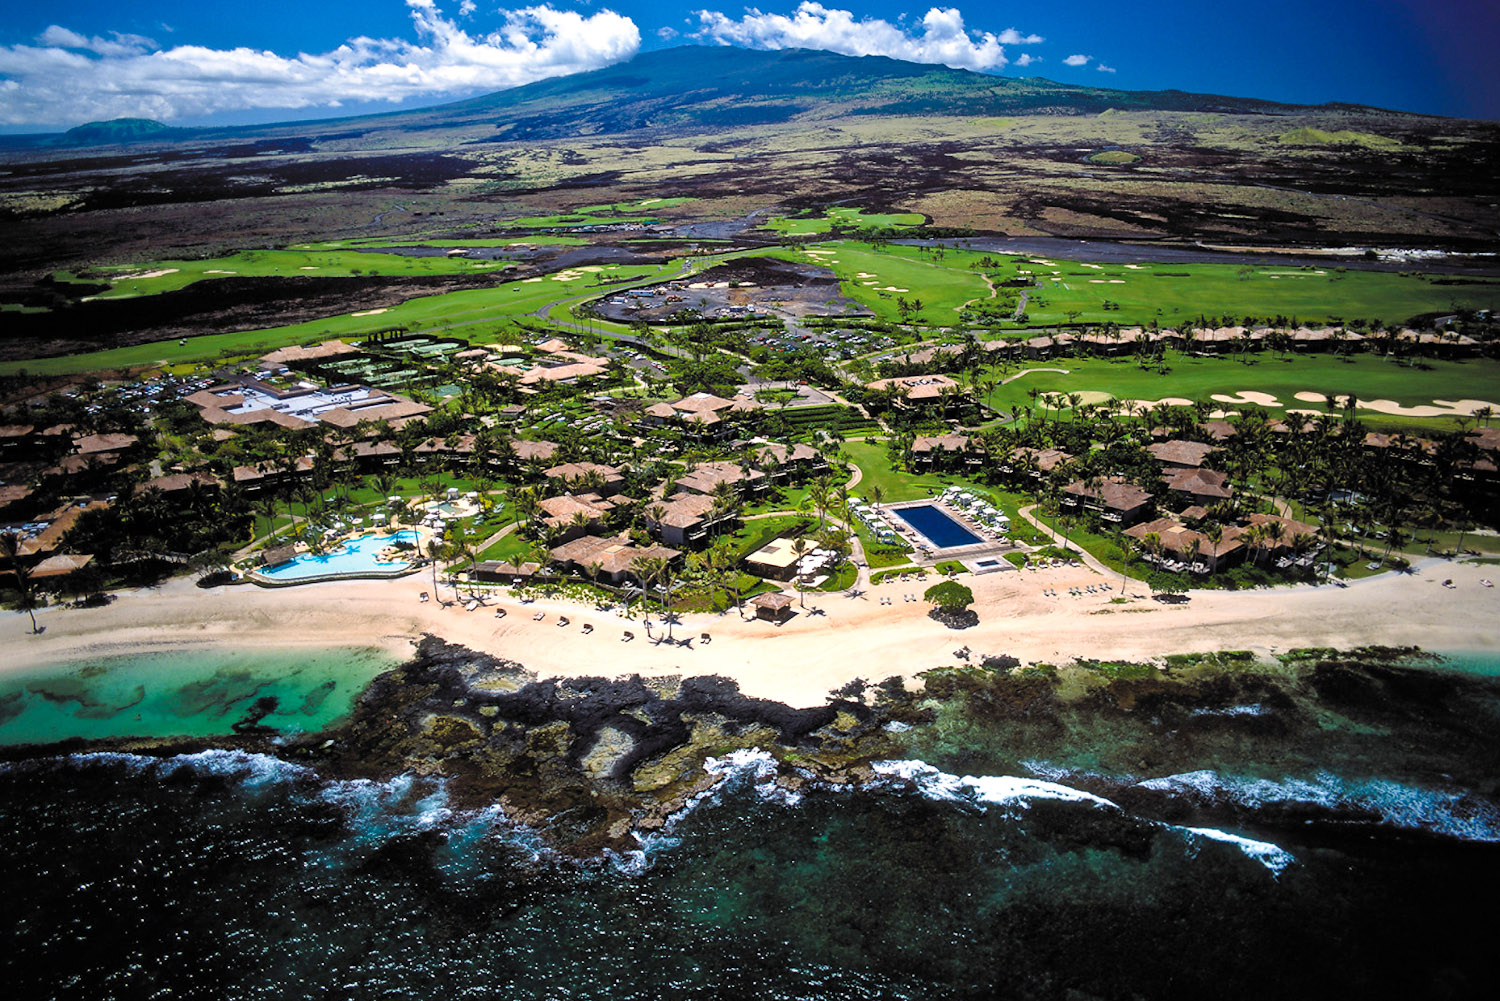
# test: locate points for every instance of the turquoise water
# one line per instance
(1482, 662)
(186, 694)
(942, 530)
(355, 556)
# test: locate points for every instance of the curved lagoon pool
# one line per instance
(357, 557)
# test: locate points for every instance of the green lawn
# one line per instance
(1366, 376)
(168, 276)
(897, 272)
(382, 241)
(807, 226)
(459, 311)
(1167, 293)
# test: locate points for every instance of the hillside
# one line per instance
(741, 133)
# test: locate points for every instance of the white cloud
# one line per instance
(667, 33)
(467, 7)
(943, 37)
(1077, 60)
(1104, 69)
(1026, 60)
(66, 78)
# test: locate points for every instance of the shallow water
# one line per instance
(184, 693)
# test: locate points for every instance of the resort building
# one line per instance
(685, 519)
(943, 451)
(572, 516)
(252, 400)
(1205, 487)
(1193, 548)
(1115, 499)
(703, 478)
(1179, 454)
(609, 559)
(917, 390)
(593, 476)
(1034, 463)
(788, 462)
(701, 412)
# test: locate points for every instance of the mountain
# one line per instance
(116, 130)
(743, 134)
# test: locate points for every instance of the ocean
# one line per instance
(1233, 856)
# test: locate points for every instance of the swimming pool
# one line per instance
(942, 531)
(357, 557)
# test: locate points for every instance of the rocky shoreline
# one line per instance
(592, 764)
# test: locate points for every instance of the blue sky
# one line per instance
(76, 60)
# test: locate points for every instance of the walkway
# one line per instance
(1087, 560)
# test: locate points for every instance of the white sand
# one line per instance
(142, 275)
(1248, 396)
(892, 288)
(217, 272)
(1307, 397)
(309, 267)
(528, 281)
(371, 312)
(803, 660)
(1171, 401)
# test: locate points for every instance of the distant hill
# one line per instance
(699, 88)
(117, 130)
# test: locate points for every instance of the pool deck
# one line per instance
(377, 571)
(970, 553)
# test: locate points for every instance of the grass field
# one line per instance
(382, 241)
(168, 276)
(1169, 294)
(1367, 377)
(600, 215)
(459, 311)
(877, 278)
(844, 217)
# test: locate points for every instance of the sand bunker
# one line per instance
(1307, 397)
(309, 267)
(528, 281)
(1171, 401)
(1136, 267)
(892, 288)
(1248, 396)
(221, 272)
(1439, 408)
(865, 274)
(147, 274)
(1096, 267)
(1219, 415)
(371, 312)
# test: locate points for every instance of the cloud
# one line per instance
(1026, 60)
(942, 39)
(1077, 60)
(1104, 69)
(66, 78)
(467, 7)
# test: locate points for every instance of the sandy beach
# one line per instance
(804, 659)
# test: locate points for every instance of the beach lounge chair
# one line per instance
(499, 613)
(424, 596)
(539, 616)
(588, 627)
(627, 637)
(471, 606)
(562, 620)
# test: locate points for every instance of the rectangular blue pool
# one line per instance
(942, 531)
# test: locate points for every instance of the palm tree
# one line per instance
(799, 548)
(10, 546)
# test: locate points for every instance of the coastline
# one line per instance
(797, 663)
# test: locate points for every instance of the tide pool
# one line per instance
(185, 693)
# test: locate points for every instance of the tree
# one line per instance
(950, 596)
(10, 545)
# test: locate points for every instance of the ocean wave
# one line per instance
(1452, 813)
(249, 768)
(1273, 857)
(981, 790)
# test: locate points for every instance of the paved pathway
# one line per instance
(1057, 537)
